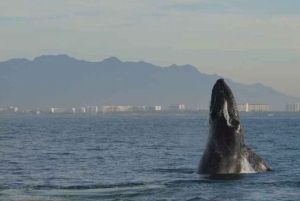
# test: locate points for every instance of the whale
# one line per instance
(225, 151)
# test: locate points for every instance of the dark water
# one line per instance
(139, 158)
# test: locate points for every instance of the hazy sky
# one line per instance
(248, 41)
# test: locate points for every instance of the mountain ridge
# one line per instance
(64, 81)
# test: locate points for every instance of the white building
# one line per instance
(78, 110)
(243, 107)
(123, 108)
(13, 109)
(81, 110)
(293, 107)
(120, 108)
(154, 108)
(176, 107)
(139, 108)
(92, 109)
(108, 108)
(58, 110)
(73, 110)
(253, 107)
(259, 108)
(158, 108)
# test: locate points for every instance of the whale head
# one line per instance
(223, 108)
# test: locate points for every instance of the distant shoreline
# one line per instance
(161, 113)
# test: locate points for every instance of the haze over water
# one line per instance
(139, 158)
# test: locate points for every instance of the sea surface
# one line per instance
(139, 158)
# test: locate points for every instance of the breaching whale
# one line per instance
(225, 151)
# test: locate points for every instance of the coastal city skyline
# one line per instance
(242, 107)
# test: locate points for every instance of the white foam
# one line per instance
(246, 167)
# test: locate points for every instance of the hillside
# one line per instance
(62, 81)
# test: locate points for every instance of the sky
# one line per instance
(248, 41)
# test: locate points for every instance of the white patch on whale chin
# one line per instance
(246, 167)
(226, 114)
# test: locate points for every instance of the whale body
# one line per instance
(226, 152)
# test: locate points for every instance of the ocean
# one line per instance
(139, 158)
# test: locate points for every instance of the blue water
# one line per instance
(139, 158)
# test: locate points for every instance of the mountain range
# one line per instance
(63, 81)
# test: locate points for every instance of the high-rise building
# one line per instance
(78, 110)
(138, 108)
(123, 108)
(58, 110)
(73, 110)
(253, 107)
(158, 108)
(243, 107)
(108, 108)
(92, 109)
(176, 107)
(13, 109)
(292, 107)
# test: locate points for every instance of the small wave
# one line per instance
(175, 170)
(196, 199)
(224, 177)
(93, 192)
(95, 149)
(188, 182)
(33, 198)
(87, 187)
(206, 179)
(103, 186)
(278, 183)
